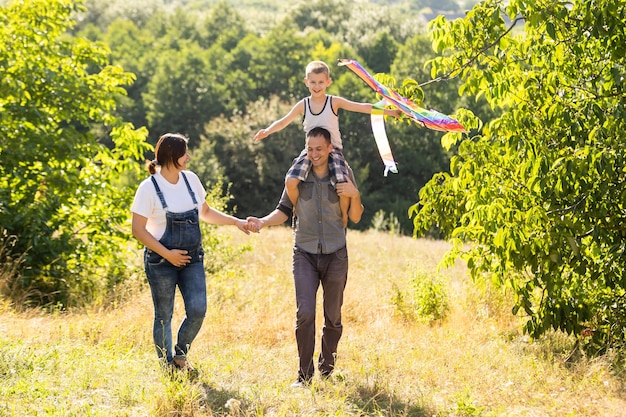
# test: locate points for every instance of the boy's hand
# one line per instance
(395, 113)
(261, 134)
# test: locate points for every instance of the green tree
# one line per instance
(103, 13)
(539, 192)
(255, 171)
(223, 26)
(380, 52)
(329, 15)
(184, 92)
(62, 192)
(130, 48)
(277, 62)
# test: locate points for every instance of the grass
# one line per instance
(474, 362)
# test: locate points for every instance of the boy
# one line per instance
(319, 110)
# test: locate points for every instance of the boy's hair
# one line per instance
(319, 131)
(317, 67)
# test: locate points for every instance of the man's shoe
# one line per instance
(301, 383)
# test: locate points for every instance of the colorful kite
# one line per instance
(427, 118)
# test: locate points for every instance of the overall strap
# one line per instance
(193, 195)
(159, 193)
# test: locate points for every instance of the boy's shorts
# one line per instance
(337, 166)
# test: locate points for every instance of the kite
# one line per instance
(380, 135)
(427, 118)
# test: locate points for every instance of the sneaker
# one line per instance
(301, 383)
(326, 375)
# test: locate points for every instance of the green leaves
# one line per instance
(63, 195)
(538, 194)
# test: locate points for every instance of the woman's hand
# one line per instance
(178, 257)
(254, 224)
(242, 225)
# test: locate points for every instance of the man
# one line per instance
(320, 255)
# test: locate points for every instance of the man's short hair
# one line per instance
(319, 131)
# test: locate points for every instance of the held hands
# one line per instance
(254, 224)
(242, 225)
(251, 224)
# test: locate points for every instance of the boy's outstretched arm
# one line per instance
(353, 106)
(281, 123)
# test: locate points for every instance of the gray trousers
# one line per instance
(309, 271)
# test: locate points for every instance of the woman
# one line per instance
(165, 219)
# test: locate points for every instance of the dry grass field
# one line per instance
(473, 362)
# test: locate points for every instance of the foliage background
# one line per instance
(211, 71)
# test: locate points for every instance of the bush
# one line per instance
(62, 191)
(428, 300)
(383, 223)
(9, 269)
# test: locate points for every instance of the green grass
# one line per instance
(474, 362)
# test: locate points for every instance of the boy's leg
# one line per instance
(344, 204)
(291, 184)
(339, 173)
(297, 173)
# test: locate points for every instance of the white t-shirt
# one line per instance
(177, 198)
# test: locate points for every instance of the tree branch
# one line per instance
(475, 57)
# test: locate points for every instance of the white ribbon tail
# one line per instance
(378, 128)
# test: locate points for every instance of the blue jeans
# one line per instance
(163, 278)
(309, 271)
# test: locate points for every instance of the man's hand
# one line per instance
(254, 224)
(347, 189)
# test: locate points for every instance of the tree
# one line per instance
(184, 92)
(277, 62)
(328, 15)
(102, 14)
(130, 46)
(255, 171)
(538, 192)
(62, 192)
(224, 27)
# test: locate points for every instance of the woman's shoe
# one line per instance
(180, 361)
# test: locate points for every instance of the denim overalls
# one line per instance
(182, 231)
